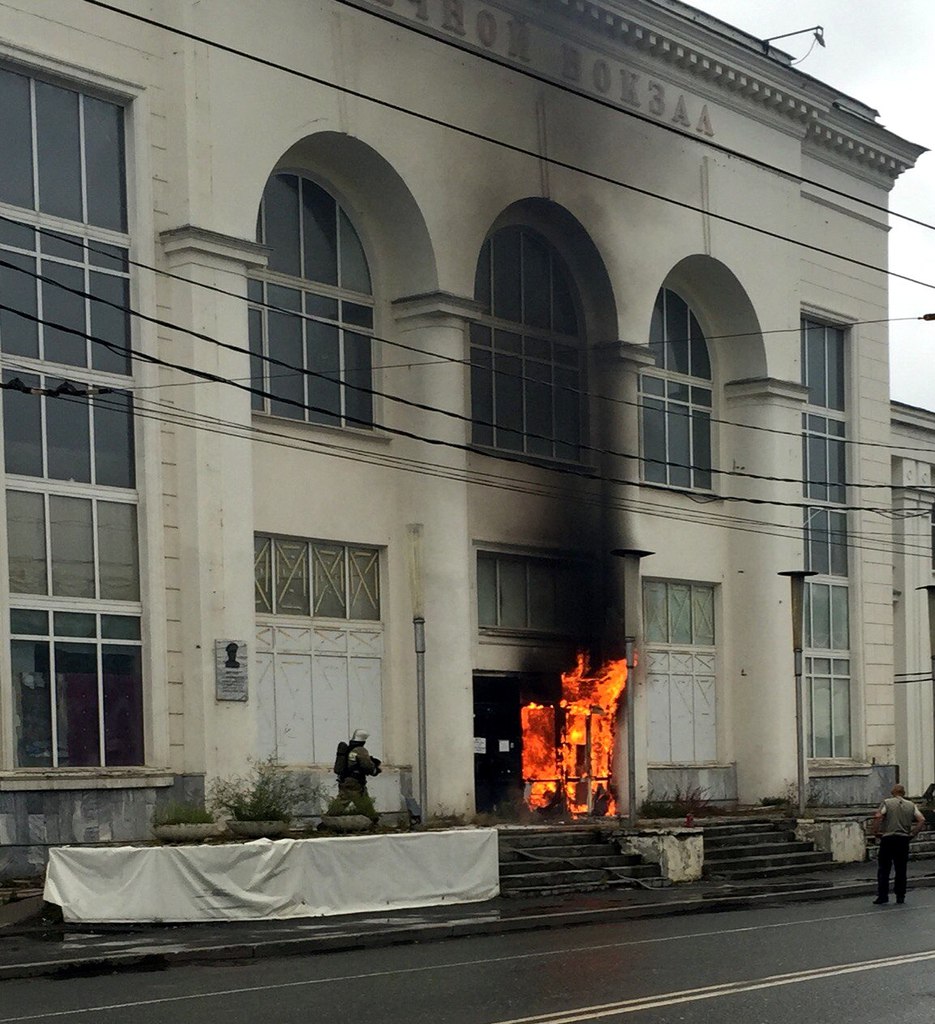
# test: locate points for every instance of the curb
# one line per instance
(160, 959)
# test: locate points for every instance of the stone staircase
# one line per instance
(758, 849)
(921, 848)
(537, 862)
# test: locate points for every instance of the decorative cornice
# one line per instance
(436, 306)
(637, 355)
(834, 125)
(189, 238)
(766, 389)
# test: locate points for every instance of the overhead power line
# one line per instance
(170, 414)
(509, 146)
(575, 471)
(425, 407)
(489, 57)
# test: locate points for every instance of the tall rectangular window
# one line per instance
(824, 467)
(531, 594)
(68, 423)
(320, 579)
(681, 676)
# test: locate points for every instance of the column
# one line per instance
(208, 456)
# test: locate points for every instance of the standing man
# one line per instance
(896, 820)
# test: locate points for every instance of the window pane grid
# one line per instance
(74, 263)
(530, 594)
(77, 684)
(828, 687)
(67, 712)
(319, 381)
(69, 529)
(322, 333)
(526, 356)
(824, 429)
(676, 399)
(678, 613)
(316, 579)
(98, 433)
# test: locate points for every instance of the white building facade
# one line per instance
(316, 316)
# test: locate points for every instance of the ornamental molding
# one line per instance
(835, 125)
(661, 60)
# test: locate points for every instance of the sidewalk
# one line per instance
(31, 948)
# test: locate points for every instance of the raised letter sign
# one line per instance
(519, 39)
(453, 19)
(571, 63)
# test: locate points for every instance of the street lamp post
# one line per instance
(414, 531)
(631, 565)
(797, 578)
(930, 590)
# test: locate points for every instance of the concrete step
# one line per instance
(717, 842)
(762, 867)
(735, 852)
(541, 879)
(524, 840)
(560, 889)
(604, 860)
(510, 875)
(774, 872)
(743, 828)
(513, 854)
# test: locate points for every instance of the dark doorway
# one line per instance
(498, 738)
(498, 778)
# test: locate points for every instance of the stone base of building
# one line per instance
(715, 784)
(849, 785)
(79, 807)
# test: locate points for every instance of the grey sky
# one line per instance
(880, 52)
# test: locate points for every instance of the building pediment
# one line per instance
(663, 62)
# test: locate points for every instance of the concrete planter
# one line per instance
(347, 822)
(186, 832)
(258, 829)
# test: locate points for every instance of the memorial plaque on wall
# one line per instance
(230, 659)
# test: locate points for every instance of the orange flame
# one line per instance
(568, 751)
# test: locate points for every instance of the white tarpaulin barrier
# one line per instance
(272, 879)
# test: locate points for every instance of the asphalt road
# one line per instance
(821, 963)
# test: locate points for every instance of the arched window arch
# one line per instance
(527, 352)
(311, 309)
(676, 398)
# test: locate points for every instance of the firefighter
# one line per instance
(354, 763)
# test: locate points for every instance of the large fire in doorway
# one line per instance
(568, 748)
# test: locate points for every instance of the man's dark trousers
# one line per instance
(893, 856)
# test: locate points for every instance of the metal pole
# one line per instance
(630, 643)
(418, 624)
(930, 592)
(631, 626)
(414, 531)
(797, 578)
(801, 766)
(587, 762)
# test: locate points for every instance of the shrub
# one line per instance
(352, 803)
(182, 813)
(266, 793)
(693, 802)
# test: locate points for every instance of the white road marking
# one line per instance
(571, 950)
(591, 1013)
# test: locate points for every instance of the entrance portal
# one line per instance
(498, 740)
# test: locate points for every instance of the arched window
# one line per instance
(311, 309)
(526, 349)
(676, 398)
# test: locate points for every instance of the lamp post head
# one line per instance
(929, 588)
(631, 554)
(629, 645)
(797, 578)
